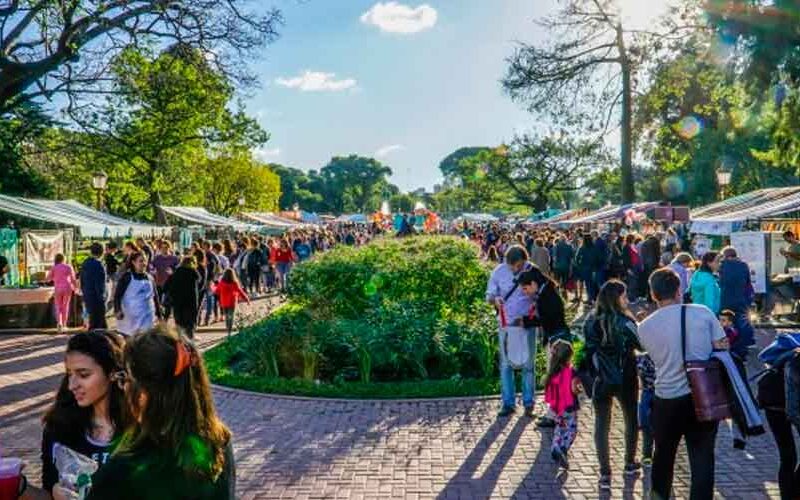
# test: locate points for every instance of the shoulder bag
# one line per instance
(707, 381)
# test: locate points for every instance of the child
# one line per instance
(561, 388)
(647, 377)
(726, 319)
(228, 291)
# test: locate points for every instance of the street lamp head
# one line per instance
(724, 177)
(241, 201)
(99, 180)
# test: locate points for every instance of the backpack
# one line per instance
(610, 360)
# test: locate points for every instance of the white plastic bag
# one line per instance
(516, 346)
(74, 470)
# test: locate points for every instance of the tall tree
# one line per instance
(591, 63)
(235, 174)
(50, 47)
(449, 166)
(354, 183)
(297, 188)
(535, 172)
(170, 111)
(22, 126)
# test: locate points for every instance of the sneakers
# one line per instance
(545, 422)
(632, 469)
(605, 482)
(506, 411)
(529, 412)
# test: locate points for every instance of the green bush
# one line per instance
(396, 318)
(391, 311)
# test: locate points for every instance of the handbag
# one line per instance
(707, 381)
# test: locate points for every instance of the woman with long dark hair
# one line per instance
(89, 409)
(549, 306)
(176, 447)
(611, 342)
(704, 285)
(183, 289)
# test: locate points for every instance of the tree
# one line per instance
(52, 47)
(296, 188)
(169, 113)
(17, 129)
(450, 167)
(592, 64)
(234, 175)
(354, 183)
(402, 202)
(534, 172)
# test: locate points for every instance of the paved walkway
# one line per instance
(446, 449)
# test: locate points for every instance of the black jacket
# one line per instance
(182, 288)
(549, 313)
(93, 282)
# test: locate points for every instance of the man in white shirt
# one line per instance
(673, 414)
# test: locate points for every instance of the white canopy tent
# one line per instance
(271, 220)
(728, 216)
(89, 222)
(202, 217)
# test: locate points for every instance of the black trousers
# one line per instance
(97, 316)
(789, 471)
(186, 319)
(602, 398)
(674, 419)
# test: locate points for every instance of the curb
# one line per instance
(310, 399)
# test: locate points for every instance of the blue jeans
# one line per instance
(645, 423)
(508, 391)
(211, 300)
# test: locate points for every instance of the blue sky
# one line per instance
(409, 98)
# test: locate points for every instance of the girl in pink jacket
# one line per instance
(63, 277)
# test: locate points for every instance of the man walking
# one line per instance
(93, 287)
(504, 292)
(673, 416)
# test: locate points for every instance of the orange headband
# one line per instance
(183, 358)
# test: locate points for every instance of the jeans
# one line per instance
(602, 399)
(283, 271)
(789, 471)
(211, 300)
(507, 386)
(646, 421)
(674, 419)
(229, 313)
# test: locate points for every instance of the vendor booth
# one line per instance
(50, 227)
(271, 223)
(753, 223)
(199, 216)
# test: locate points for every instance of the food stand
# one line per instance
(51, 227)
(754, 223)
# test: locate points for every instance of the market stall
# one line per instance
(271, 223)
(201, 217)
(753, 223)
(50, 227)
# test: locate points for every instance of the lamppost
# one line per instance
(723, 180)
(99, 182)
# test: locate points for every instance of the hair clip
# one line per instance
(183, 358)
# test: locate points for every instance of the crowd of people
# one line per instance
(689, 309)
(136, 400)
(145, 281)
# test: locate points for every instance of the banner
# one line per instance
(41, 249)
(702, 245)
(751, 248)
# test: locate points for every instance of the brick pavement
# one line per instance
(444, 449)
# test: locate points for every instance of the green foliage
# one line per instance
(236, 174)
(354, 184)
(392, 311)
(16, 129)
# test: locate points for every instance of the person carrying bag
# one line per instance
(680, 340)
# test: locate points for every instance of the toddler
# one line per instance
(647, 378)
(560, 394)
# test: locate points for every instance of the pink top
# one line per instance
(63, 277)
(558, 393)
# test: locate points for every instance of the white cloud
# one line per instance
(317, 81)
(387, 150)
(266, 155)
(393, 17)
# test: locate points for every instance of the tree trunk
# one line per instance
(155, 203)
(626, 163)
